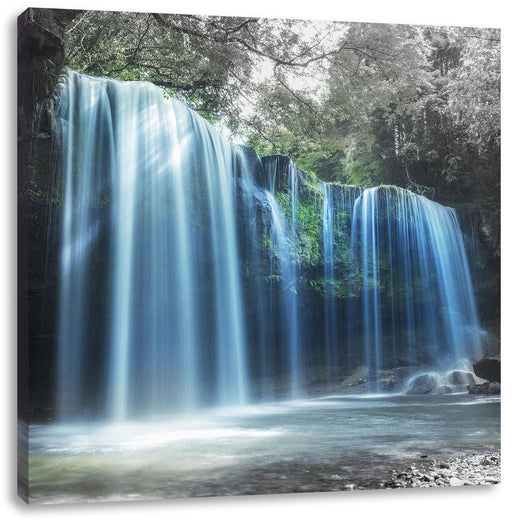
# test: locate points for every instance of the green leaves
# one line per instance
(356, 103)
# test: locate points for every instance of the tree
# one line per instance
(213, 63)
(355, 103)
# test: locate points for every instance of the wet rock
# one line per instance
(459, 377)
(443, 389)
(489, 368)
(422, 384)
(489, 387)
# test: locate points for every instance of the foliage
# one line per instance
(356, 103)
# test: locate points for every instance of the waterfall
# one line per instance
(417, 298)
(149, 210)
(284, 238)
(194, 273)
(338, 202)
(331, 331)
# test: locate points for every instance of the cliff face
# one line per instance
(41, 56)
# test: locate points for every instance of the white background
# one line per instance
(422, 505)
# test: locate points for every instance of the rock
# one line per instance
(485, 388)
(372, 375)
(456, 482)
(460, 377)
(494, 387)
(422, 384)
(494, 481)
(489, 461)
(492, 344)
(489, 368)
(442, 389)
(453, 471)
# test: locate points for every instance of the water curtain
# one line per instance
(194, 273)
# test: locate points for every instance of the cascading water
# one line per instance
(284, 238)
(331, 338)
(417, 299)
(194, 274)
(338, 202)
(150, 191)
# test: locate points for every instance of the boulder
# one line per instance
(492, 344)
(422, 384)
(460, 377)
(442, 389)
(489, 368)
(489, 387)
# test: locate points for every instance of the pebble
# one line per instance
(457, 471)
(491, 480)
(456, 482)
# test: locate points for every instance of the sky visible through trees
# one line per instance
(356, 103)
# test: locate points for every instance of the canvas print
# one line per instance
(256, 256)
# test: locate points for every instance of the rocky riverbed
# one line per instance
(478, 469)
(286, 477)
(455, 471)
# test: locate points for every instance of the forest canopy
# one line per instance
(354, 103)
